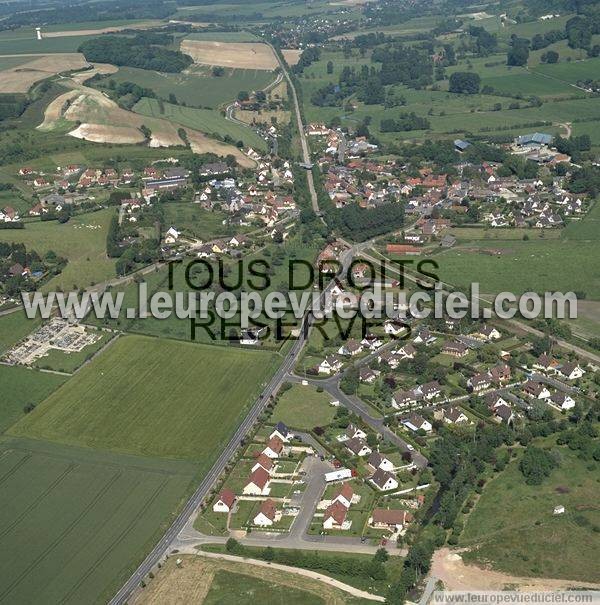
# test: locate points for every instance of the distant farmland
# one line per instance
(75, 522)
(154, 397)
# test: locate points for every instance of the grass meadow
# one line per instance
(13, 327)
(22, 386)
(76, 522)
(538, 266)
(155, 398)
(303, 407)
(197, 221)
(208, 121)
(199, 88)
(82, 240)
(514, 530)
(235, 589)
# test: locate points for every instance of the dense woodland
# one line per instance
(144, 51)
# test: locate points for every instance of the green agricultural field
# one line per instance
(28, 44)
(20, 387)
(13, 327)
(238, 589)
(303, 407)
(154, 397)
(75, 523)
(82, 241)
(209, 121)
(199, 88)
(515, 531)
(241, 36)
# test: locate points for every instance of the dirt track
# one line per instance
(449, 567)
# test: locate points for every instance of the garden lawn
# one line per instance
(154, 397)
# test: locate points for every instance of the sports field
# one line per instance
(82, 241)
(208, 121)
(154, 397)
(197, 87)
(75, 522)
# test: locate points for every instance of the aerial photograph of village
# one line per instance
(299, 302)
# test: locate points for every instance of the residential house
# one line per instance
(384, 480)
(455, 348)
(536, 390)
(493, 400)
(367, 375)
(571, 371)
(330, 365)
(358, 447)
(350, 348)
(263, 461)
(402, 399)
(406, 351)
(379, 461)
(455, 416)
(486, 332)
(500, 373)
(430, 390)
(344, 495)
(479, 382)
(281, 431)
(503, 413)
(274, 448)
(415, 422)
(353, 432)
(562, 400)
(258, 483)
(546, 363)
(224, 503)
(172, 235)
(335, 517)
(267, 514)
(394, 520)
